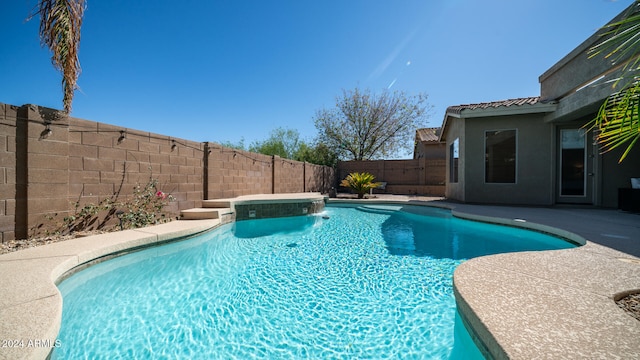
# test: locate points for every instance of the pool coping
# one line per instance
(549, 304)
(523, 305)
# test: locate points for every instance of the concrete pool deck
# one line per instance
(551, 304)
(556, 304)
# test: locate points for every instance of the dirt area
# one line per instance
(15, 245)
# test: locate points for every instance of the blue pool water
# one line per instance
(366, 282)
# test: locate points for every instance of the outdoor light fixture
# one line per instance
(123, 136)
(46, 132)
(173, 145)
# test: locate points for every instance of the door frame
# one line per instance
(588, 197)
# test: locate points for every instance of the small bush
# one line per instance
(360, 183)
(143, 208)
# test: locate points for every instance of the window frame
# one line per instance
(454, 166)
(515, 166)
(584, 161)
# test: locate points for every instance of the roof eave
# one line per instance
(507, 110)
(538, 108)
(447, 115)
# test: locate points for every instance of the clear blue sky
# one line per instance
(230, 69)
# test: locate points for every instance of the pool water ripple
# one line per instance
(360, 284)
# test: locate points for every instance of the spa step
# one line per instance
(204, 213)
(219, 203)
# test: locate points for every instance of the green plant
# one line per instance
(360, 183)
(144, 207)
(618, 121)
(88, 217)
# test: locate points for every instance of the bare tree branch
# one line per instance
(366, 126)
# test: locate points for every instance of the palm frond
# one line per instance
(60, 23)
(617, 122)
(621, 44)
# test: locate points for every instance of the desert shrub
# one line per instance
(143, 208)
(360, 183)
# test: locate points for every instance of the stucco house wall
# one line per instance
(429, 150)
(455, 130)
(533, 169)
(617, 175)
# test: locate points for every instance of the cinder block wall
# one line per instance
(109, 161)
(44, 173)
(8, 123)
(319, 178)
(415, 176)
(42, 166)
(289, 176)
(234, 173)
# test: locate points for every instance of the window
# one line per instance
(500, 156)
(454, 156)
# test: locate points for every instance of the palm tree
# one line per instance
(60, 22)
(617, 122)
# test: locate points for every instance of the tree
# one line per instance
(282, 142)
(287, 144)
(60, 22)
(617, 122)
(319, 154)
(365, 126)
(239, 145)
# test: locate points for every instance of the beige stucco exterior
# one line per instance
(534, 171)
(537, 163)
(429, 150)
(456, 130)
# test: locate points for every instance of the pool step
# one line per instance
(204, 213)
(219, 203)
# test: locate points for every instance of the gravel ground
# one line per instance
(15, 245)
(630, 303)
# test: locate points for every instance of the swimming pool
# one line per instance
(356, 281)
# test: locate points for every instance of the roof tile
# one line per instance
(457, 109)
(428, 134)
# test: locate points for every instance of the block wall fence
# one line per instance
(43, 172)
(410, 177)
